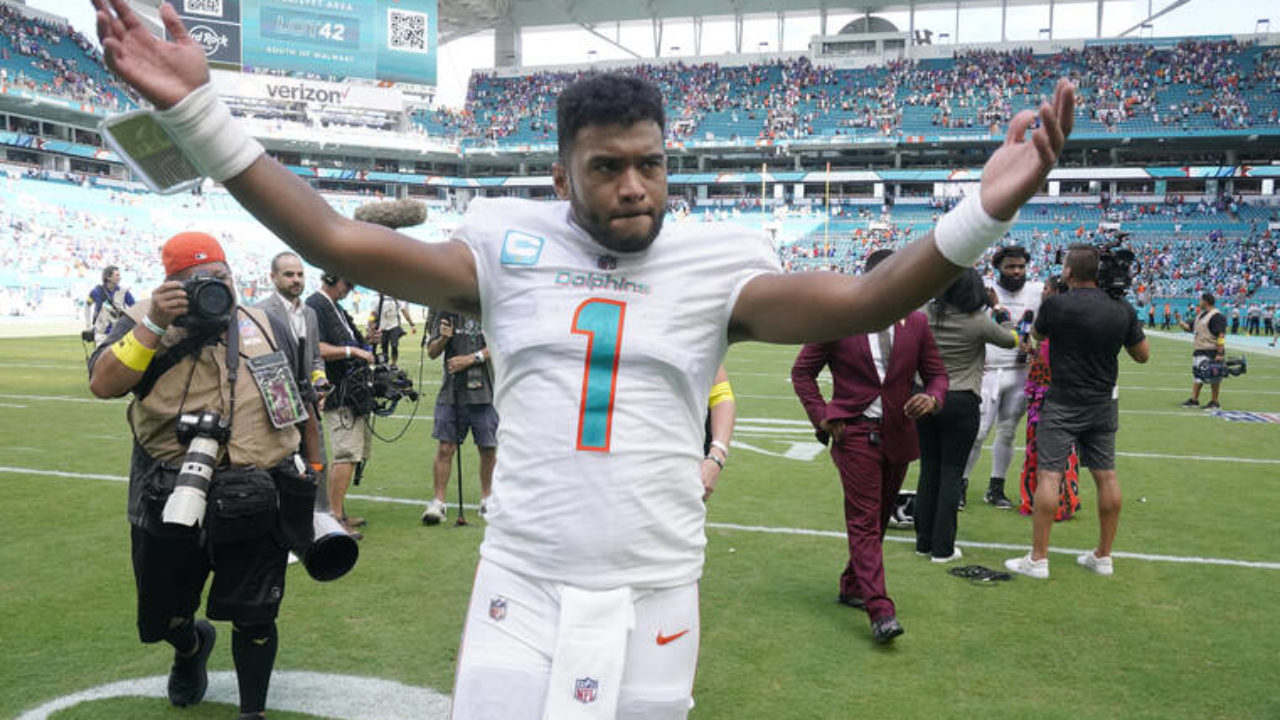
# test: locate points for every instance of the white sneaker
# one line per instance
(1100, 565)
(435, 513)
(1024, 565)
(953, 557)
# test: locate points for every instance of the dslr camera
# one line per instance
(203, 433)
(1211, 371)
(209, 303)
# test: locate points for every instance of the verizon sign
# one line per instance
(311, 92)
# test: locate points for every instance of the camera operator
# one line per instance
(216, 409)
(343, 350)
(1087, 327)
(464, 403)
(107, 302)
(1209, 344)
(386, 322)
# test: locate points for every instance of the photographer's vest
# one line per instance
(254, 440)
(1203, 339)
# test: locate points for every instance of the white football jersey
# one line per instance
(1017, 303)
(603, 363)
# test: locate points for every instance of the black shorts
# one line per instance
(170, 571)
(1090, 428)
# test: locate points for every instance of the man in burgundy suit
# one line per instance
(870, 423)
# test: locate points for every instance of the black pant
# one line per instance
(945, 441)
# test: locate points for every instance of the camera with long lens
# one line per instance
(209, 303)
(377, 389)
(203, 433)
(1210, 370)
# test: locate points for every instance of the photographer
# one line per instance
(1209, 345)
(107, 302)
(1087, 327)
(386, 323)
(343, 350)
(217, 409)
(464, 403)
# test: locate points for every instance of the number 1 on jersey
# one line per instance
(601, 321)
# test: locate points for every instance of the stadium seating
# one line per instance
(55, 59)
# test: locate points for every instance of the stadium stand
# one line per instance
(54, 59)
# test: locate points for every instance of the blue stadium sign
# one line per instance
(391, 40)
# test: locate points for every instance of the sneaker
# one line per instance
(886, 629)
(1024, 565)
(484, 507)
(1190, 403)
(189, 676)
(1100, 565)
(1213, 406)
(995, 496)
(951, 558)
(435, 513)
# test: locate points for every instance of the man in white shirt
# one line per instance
(606, 330)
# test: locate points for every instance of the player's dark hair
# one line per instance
(964, 295)
(107, 272)
(606, 99)
(1082, 260)
(1209, 299)
(876, 257)
(1008, 252)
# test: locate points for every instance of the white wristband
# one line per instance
(203, 128)
(963, 234)
(721, 447)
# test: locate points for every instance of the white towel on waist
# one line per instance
(591, 647)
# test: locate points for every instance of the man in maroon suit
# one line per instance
(870, 423)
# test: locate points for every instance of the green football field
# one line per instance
(1187, 628)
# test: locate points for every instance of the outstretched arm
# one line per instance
(817, 307)
(168, 72)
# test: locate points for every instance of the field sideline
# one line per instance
(1186, 628)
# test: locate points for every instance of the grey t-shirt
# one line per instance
(962, 339)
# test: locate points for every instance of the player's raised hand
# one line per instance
(163, 71)
(1018, 168)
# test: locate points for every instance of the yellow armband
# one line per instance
(720, 392)
(318, 375)
(132, 354)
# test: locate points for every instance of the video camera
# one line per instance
(377, 388)
(1214, 371)
(1115, 266)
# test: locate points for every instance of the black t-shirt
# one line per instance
(1218, 324)
(335, 328)
(1086, 330)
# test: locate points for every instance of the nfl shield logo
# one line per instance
(498, 609)
(584, 690)
(607, 262)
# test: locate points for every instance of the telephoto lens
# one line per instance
(186, 505)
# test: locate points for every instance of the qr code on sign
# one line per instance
(407, 31)
(212, 8)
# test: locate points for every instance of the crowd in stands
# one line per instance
(54, 59)
(1196, 85)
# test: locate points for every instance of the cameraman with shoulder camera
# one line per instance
(107, 302)
(1209, 345)
(1088, 327)
(216, 410)
(344, 353)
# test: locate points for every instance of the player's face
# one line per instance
(616, 183)
(114, 279)
(288, 277)
(1013, 273)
